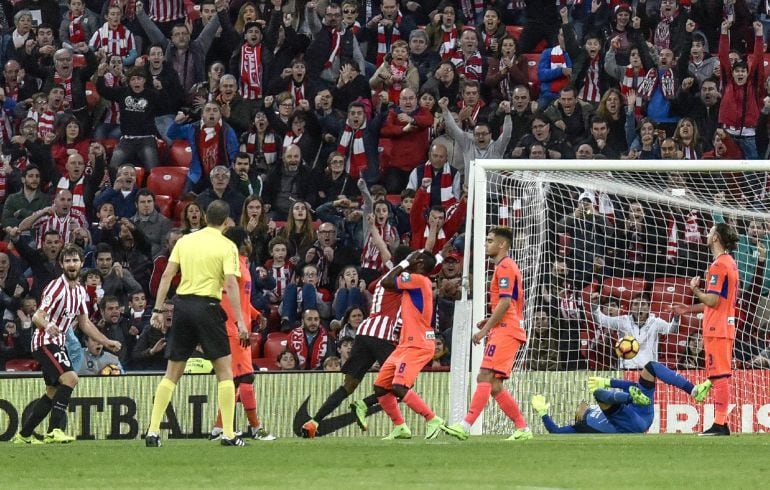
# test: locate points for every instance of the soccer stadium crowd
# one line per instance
(337, 131)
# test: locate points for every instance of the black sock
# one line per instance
(39, 412)
(371, 400)
(61, 401)
(334, 401)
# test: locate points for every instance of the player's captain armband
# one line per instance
(713, 280)
(731, 320)
(405, 277)
(503, 283)
(430, 335)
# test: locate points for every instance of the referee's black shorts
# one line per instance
(366, 351)
(198, 320)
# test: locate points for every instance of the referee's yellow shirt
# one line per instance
(204, 258)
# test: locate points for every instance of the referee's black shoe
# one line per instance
(716, 430)
(152, 440)
(235, 441)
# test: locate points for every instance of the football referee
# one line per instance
(208, 262)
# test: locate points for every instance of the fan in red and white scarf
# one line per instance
(384, 42)
(448, 42)
(631, 81)
(447, 180)
(208, 146)
(290, 139)
(472, 9)
(336, 41)
(398, 73)
(467, 57)
(112, 114)
(590, 91)
(66, 83)
(310, 357)
(267, 143)
(113, 36)
(352, 146)
(77, 31)
(667, 84)
(474, 112)
(78, 192)
(251, 62)
(371, 258)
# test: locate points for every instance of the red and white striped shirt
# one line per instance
(117, 42)
(112, 114)
(63, 302)
(590, 91)
(371, 258)
(63, 224)
(282, 277)
(166, 10)
(384, 321)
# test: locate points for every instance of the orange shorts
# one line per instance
(500, 353)
(403, 366)
(719, 356)
(241, 356)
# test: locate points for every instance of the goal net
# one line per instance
(605, 249)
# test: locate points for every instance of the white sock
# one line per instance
(466, 426)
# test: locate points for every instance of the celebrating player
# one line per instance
(375, 340)
(505, 334)
(208, 262)
(63, 302)
(243, 371)
(719, 302)
(627, 411)
(416, 345)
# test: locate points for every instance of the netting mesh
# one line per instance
(605, 254)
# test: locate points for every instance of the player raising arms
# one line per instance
(627, 408)
(374, 341)
(63, 302)
(416, 345)
(719, 302)
(243, 371)
(505, 334)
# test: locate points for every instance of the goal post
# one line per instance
(649, 221)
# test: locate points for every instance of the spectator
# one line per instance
(344, 348)
(213, 143)
(471, 109)
(554, 71)
(407, 126)
(445, 82)
(334, 182)
(491, 32)
(332, 364)
(117, 281)
(148, 221)
(236, 110)
(22, 20)
(441, 359)
(161, 261)
(550, 138)
(542, 24)
(114, 39)
(668, 27)
(438, 224)
(158, 68)
(287, 361)
(694, 356)
(506, 70)
(588, 233)
(420, 56)
(122, 194)
(279, 268)
(380, 239)
(702, 107)
(28, 200)
(97, 360)
(150, 347)
(21, 335)
(69, 139)
(640, 238)
(61, 217)
(193, 218)
(611, 109)
(395, 74)
(446, 181)
(13, 286)
(42, 11)
(351, 292)
(359, 142)
(384, 30)
(599, 139)
(303, 295)
(544, 344)
(188, 58)
(330, 255)
(115, 327)
(288, 184)
(254, 221)
(570, 114)
(137, 117)
(78, 25)
(250, 61)
(82, 185)
(309, 341)
(261, 143)
(467, 57)
(138, 314)
(220, 190)
(43, 260)
(331, 47)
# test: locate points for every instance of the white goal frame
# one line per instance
(469, 312)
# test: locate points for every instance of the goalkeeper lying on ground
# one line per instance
(625, 409)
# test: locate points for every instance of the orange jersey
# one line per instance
(507, 283)
(248, 311)
(722, 279)
(416, 310)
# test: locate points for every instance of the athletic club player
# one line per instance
(375, 340)
(505, 335)
(416, 345)
(63, 303)
(243, 371)
(719, 302)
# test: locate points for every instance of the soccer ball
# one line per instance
(627, 347)
(110, 370)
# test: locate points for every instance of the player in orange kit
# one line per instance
(719, 314)
(243, 371)
(416, 345)
(505, 334)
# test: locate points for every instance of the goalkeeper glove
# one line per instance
(597, 383)
(540, 405)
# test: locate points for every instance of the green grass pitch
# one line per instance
(583, 461)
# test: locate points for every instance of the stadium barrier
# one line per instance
(117, 407)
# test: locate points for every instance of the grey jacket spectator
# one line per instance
(153, 225)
